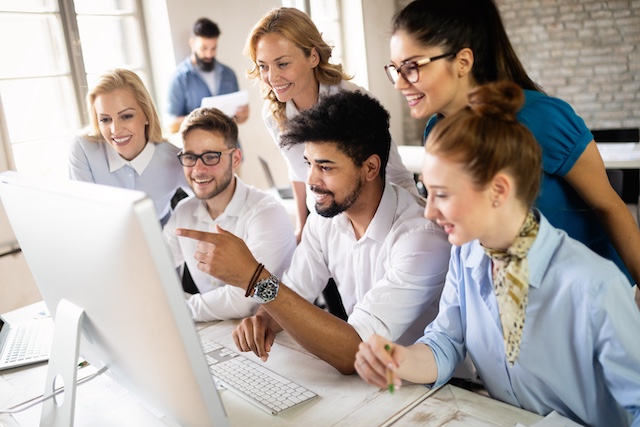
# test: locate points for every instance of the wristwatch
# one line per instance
(266, 290)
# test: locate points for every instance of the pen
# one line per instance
(389, 372)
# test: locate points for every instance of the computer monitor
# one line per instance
(99, 259)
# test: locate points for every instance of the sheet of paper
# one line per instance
(554, 419)
(227, 103)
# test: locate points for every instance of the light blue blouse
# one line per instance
(155, 171)
(580, 352)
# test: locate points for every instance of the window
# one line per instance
(333, 18)
(57, 47)
(326, 16)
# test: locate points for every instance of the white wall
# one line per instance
(377, 15)
(17, 287)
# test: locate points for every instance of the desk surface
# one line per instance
(625, 155)
(343, 400)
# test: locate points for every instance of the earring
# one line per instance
(496, 204)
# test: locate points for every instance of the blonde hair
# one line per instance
(120, 78)
(295, 26)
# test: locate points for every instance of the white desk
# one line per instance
(625, 155)
(343, 400)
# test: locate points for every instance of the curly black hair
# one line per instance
(357, 123)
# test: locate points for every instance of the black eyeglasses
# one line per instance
(409, 70)
(209, 158)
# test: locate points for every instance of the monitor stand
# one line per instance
(59, 410)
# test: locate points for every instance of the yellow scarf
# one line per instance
(511, 284)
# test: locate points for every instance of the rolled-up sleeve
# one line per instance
(413, 280)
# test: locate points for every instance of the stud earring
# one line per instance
(496, 204)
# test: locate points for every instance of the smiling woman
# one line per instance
(292, 61)
(123, 146)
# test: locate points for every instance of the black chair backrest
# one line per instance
(616, 135)
(626, 182)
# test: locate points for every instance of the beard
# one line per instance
(221, 185)
(335, 208)
(203, 65)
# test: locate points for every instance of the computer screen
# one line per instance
(101, 249)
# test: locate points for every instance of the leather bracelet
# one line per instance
(254, 280)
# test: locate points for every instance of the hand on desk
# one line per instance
(223, 255)
(255, 334)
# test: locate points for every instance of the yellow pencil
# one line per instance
(389, 372)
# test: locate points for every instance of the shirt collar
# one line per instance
(382, 220)
(139, 164)
(539, 255)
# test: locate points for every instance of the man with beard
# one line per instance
(209, 158)
(388, 261)
(200, 76)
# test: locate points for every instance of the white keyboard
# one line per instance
(28, 342)
(252, 381)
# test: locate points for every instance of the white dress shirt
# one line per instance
(388, 278)
(254, 216)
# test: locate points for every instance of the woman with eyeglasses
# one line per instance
(123, 146)
(442, 49)
(292, 62)
(547, 322)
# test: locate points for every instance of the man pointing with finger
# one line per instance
(388, 261)
(209, 159)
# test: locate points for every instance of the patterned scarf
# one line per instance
(511, 284)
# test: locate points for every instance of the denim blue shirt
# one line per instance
(580, 352)
(156, 170)
(187, 87)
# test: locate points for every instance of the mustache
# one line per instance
(315, 189)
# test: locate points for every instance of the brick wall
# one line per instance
(583, 51)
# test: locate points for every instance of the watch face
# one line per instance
(266, 290)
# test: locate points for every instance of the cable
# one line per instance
(39, 399)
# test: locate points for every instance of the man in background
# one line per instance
(200, 75)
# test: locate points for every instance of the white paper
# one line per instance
(554, 419)
(227, 103)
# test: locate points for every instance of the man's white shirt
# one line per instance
(388, 279)
(254, 216)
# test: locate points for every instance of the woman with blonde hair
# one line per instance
(123, 145)
(292, 62)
